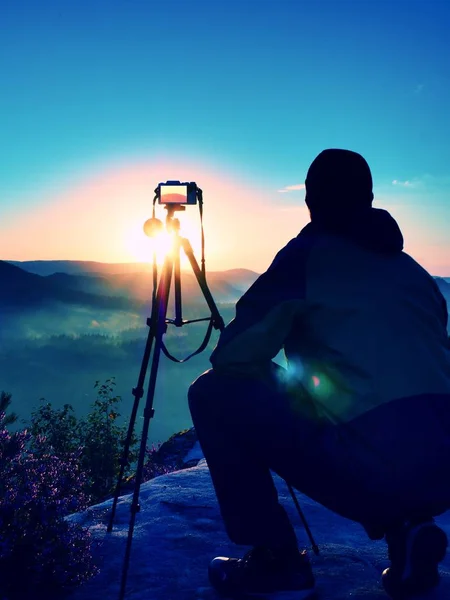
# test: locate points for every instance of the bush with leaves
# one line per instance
(58, 430)
(41, 554)
(155, 465)
(98, 439)
(103, 442)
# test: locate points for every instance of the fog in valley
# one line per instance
(56, 347)
(65, 325)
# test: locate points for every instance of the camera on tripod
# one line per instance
(175, 192)
(174, 195)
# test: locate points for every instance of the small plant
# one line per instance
(5, 401)
(58, 430)
(97, 439)
(169, 456)
(41, 554)
(154, 465)
(103, 442)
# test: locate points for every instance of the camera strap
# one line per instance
(200, 210)
(205, 342)
(199, 349)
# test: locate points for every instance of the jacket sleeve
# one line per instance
(266, 313)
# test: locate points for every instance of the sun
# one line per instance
(139, 247)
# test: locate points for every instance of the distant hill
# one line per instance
(444, 286)
(125, 290)
(236, 277)
(139, 286)
(116, 285)
(443, 281)
(79, 267)
(21, 289)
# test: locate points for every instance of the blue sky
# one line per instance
(252, 89)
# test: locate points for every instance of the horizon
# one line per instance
(100, 105)
(149, 265)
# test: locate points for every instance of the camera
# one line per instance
(175, 192)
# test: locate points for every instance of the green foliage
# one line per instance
(5, 401)
(60, 428)
(155, 465)
(42, 555)
(103, 442)
(98, 438)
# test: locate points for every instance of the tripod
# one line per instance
(157, 324)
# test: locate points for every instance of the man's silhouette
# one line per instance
(360, 419)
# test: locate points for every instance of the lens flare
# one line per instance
(141, 248)
(162, 245)
(316, 381)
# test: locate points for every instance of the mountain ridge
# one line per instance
(96, 268)
(87, 267)
(120, 291)
(126, 289)
(23, 289)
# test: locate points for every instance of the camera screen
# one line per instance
(173, 194)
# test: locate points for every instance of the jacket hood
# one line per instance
(374, 229)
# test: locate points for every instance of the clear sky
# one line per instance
(102, 99)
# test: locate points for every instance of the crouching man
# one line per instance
(359, 420)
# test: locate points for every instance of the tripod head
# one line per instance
(175, 196)
(154, 226)
(172, 224)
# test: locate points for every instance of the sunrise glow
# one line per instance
(82, 155)
(100, 216)
(140, 248)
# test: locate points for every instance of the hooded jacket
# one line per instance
(360, 321)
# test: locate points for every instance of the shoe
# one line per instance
(262, 574)
(415, 551)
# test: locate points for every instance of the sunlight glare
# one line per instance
(190, 229)
(140, 248)
(162, 245)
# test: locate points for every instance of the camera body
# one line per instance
(176, 192)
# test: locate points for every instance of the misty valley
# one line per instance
(65, 326)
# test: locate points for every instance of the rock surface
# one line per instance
(179, 529)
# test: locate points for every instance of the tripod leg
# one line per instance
(315, 547)
(159, 325)
(138, 392)
(177, 284)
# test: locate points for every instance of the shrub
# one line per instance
(169, 456)
(103, 442)
(57, 430)
(98, 439)
(41, 554)
(155, 465)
